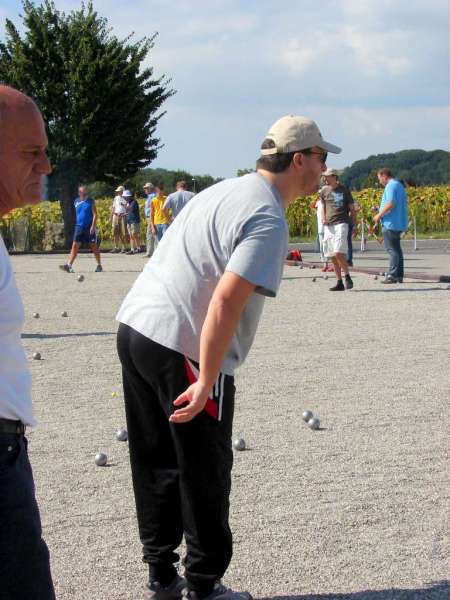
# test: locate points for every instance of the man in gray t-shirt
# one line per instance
(178, 200)
(187, 323)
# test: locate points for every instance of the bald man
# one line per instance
(24, 557)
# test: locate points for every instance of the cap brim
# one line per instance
(329, 147)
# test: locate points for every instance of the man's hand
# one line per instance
(153, 228)
(193, 399)
(377, 218)
(92, 230)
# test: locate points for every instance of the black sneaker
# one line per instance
(348, 282)
(339, 287)
(220, 592)
(98, 269)
(173, 591)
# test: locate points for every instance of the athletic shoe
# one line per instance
(339, 287)
(129, 252)
(348, 282)
(136, 251)
(123, 251)
(68, 268)
(350, 263)
(174, 591)
(389, 279)
(220, 592)
(98, 269)
(114, 251)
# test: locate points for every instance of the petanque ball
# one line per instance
(313, 279)
(314, 423)
(326, 277)
(376, 277)
(239, 444)
(307, 415)
(37, 356)
(313, 267)
(101, 459)
(64, 314)
(80, 278)
(121, 435)
(114, 394)
(36, 315)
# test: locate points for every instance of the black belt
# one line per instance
(10, 426)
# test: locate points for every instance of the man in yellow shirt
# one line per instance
(159, 218)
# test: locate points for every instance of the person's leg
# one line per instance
(336, 267)
(24, 557)
(150, 243)
(116, 232)
(131, 236)
(159, 232)
(73, 252)
(350, 245)
(392, 243)
(343, 265)
(153, 460)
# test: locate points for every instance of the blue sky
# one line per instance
(374, 74)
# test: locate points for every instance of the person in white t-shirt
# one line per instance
(24, 557)
(186, 325)
(119, 221)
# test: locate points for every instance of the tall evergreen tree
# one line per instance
(100, 101)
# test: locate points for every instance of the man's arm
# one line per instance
(94, 217)
(386, 208)
(224, 311)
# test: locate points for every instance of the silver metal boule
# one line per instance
(64, 314)
(121, 435)
(314, 423)
(36, 315)
(313, 279)
(307, 415)
(37, 356)
(101, 459)
(80, 277)
(239, 444)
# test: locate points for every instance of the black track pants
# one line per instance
(181, 473)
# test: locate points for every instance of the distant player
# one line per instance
(85, 232)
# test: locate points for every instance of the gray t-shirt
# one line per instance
(177, 201)
(237, 225)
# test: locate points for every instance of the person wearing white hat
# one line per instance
(119, 220)
(151, 239)
(338, 213)
(185, 326)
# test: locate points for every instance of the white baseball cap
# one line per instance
(120, 188)
(127, 194)
(294, 133)
(329, 172)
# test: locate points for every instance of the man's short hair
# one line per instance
(181, 183)
(385, 171)
(274, 163)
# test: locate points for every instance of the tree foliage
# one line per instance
(415, 167)
(96, 92)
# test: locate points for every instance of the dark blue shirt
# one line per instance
(133, 215)
(83, 209)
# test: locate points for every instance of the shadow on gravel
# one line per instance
(437, 590)
(49, 336)
(396, 290)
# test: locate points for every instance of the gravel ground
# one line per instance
(357, 510)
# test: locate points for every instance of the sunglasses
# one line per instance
(323, 155)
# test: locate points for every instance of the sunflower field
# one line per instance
(429, 205)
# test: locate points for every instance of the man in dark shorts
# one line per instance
(186, 325)
(85, 231)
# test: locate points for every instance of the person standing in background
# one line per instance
(119, 221)
(150, 237)
(159, 219)
(177, 200)
(393, 215)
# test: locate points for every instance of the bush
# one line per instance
(430, 206)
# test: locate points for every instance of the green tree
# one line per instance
(100, 103)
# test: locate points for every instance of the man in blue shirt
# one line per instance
(85, 232)
(149, 191)
(393, 215)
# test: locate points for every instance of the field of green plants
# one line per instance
(429, 205)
